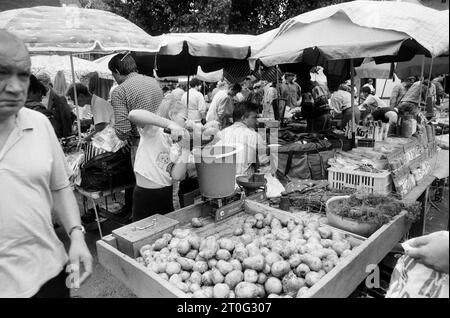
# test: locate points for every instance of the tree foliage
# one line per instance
(227, 16)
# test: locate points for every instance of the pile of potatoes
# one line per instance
(264, 258)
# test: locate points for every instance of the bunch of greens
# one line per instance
(374, 208)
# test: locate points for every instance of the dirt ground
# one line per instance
(103, 285)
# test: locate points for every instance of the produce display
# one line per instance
(265, 257)
(374, 208)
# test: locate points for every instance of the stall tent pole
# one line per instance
(352, 102)
(421, 80)
(187, 94)
(429, 79)
(384, 86)
(76, 98)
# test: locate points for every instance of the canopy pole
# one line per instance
(384, 86)
(421, 80)
(187, 92)
(76, 98)
(429, 79)
(352, 102)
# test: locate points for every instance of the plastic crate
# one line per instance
(380, 183)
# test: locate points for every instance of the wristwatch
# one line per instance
(77, 227)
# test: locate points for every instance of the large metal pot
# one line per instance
(216, 170)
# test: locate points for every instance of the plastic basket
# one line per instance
(380, 183)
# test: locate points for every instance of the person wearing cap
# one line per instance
(399, 91)
(33, 184)
(291, 91)
(57, 104)
(369, 84)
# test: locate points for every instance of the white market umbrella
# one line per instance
(68, 30)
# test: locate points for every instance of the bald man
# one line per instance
(33, 182)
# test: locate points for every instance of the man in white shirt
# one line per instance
(221, 108)
(101, 109)
(371, 102)
(369, 84)
(196, 107)
(242, 132)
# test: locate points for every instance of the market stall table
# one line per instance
(96, 195)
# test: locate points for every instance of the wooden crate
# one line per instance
(340, 282)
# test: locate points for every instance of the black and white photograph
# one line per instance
(230, 151)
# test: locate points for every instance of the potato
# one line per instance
(184, 275)
(240, 253)
(326, 243)
(236, 264)
(238, 231)
(159, 244)
(209, 247)
(199, 294)
(250, 276)
(308, 233)
(267, 219)
(261, 291)
(174, 243)
(181, 233)
(246, 238)
(232, 295)
(164, 276)
(183, 247)
(291, 283)
(275, 224)
(200, 267)
(333, 259)
(250, 220)
(224, 267)
(340, 247)
(255, 262)
(162, 267)
(313, 262)
(286, 251)
(280, 268)
(273, 286)
(313, 225)
(196, 278)
(321, 273)
(314, 240)
(273, 296)
(183, 287)
(262, 278)
(302, 291)
(233, 278)
(221, 291)
(217, 276)
(291, 225)
(301, 270)
(264, 251)
(267, 269)
(320, 253)
(346, 253)
(173, 268)
(212, 263)
(223, 254)
(145, 250)
(337, 236)
(192, 254)
(196, 222)
(282, 235)
(246, 290)
(194, 287)
(174, 279)
(207, 278)
(324, 232)
(311, 278)
(226, 244)
(167, 237)
(194, 241)
(295, 260)
(209, 291)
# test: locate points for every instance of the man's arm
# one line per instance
(66, 209)
(394, 97)
(122, 125)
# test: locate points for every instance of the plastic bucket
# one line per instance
(216, 170)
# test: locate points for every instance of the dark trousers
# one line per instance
(54, 288)
(347, 116)
(147, 202)
(318, 123)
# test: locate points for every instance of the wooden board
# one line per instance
(142, 281)
(342, 280)
(131, 237)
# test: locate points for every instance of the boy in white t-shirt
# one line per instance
(159, 160)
